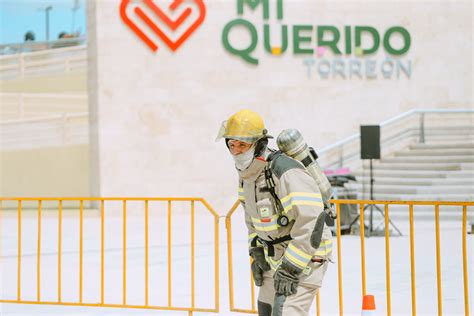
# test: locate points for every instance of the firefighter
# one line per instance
(289, 241)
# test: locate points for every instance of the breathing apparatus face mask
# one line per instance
(243, 160)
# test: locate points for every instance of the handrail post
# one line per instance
(422, 128)
(341, 156)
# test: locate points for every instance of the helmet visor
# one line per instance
(221, 132)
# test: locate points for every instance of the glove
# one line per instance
(286, 279)
(259, 265)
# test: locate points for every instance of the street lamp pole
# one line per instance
(47, 9)
(76, 7)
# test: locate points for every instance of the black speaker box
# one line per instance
(370, 142)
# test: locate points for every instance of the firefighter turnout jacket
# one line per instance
(302, 204)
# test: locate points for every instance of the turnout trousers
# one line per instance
(298, 304)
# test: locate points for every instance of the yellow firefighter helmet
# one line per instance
(245, 125)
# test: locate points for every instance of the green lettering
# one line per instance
(284, 39)
(348, 37)
(332, 44)
(358, 38)
(298, 39)
(243, 53)
(279, 9)
(253, 4)
(406, 38)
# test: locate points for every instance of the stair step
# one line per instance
(395, 181)
(423, 166)
(460, 134)
(462, 174)
(421, 197)
(417, 181)
(457, 145)
(428, 174)
(425, 159)
(412, 189)
(443, 141)
(436, 152)
(441, 168)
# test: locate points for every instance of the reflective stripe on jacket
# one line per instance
(302, 203)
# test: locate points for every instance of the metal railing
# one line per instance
(125, 202)
(29, 105)
(101, 302)
(51, 130)
(31, 120)
(361, 204)
(410, 127)
(60, 60)
(34, 46)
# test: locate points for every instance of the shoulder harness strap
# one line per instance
(278, 165)
(281, 163)
(270, 183)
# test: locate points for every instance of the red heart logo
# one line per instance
(172, 25)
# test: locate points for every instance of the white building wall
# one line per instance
(155, 115)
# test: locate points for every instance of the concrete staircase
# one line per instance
(439, 169)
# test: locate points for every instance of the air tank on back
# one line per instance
(291, 142)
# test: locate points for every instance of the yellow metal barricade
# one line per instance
(192, 203)
(361, 204)
(102, 302)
